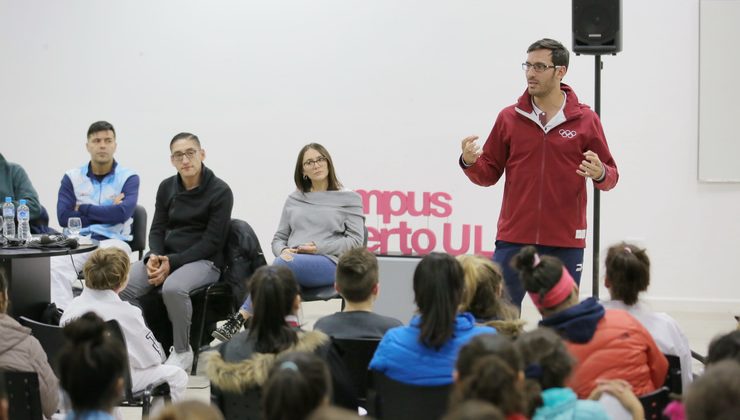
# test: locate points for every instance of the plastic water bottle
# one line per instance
(24, 221)
(9, 218)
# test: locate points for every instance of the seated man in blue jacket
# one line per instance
(186, 240)
(15, 183)
(103, 195)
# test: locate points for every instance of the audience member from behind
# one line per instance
(490, 368)
(607, 344)
(242, 364)
(298, 383)
(424, 352)
(474, 410)
(715, 394)
(189, 410)
(92, 365)
(328, 412)
(628, 274)
(106, 273)
(357, 282)
(483, 295)
(547, 368)
(20, 351)
(320, 221)
(726, 346)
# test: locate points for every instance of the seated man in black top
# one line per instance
(186, 241)
(357, 282)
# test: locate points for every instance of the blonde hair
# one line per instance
(483, 292)
(106, 269)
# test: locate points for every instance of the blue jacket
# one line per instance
(100, 216)
(562, 404)
(402, 357)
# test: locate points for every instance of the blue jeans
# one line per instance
(572, 259)
(310, 271)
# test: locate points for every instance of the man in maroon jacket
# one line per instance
(547, 144)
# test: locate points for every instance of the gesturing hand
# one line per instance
(470, 151)
(591, 166)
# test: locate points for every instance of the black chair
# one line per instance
(138, 231)
(24, 398)
(244, 406)
(141, 398)
(655, 402)
(673, 379)
(325, 293)
(356, 355)
(393, 400)
(213, 302)
(50, 337)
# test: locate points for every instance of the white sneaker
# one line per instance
(183, 360)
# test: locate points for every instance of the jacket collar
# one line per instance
(577, 323)
(91, 175)
(572, 108)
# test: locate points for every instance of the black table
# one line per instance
(29, 278)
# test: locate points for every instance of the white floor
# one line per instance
(700, 328)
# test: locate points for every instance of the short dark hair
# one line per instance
(474, 410)
(357, 274)
(184, 136)
(438, 285)
(90, 349)
(485, 345)
(628, 272)
(546, 359)
(297, 384)
(304, 184)
(99, 126)
(726, 346)
(560, 54)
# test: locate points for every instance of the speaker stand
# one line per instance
(597, 194)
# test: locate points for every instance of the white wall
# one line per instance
(389, 86)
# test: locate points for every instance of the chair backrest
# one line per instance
(655, 402)
(138, 231)
(673, 377)
(50, 337)
(24, 398)
(396, 400)
(115, 330)
(356, 355)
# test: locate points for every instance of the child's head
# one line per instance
(483, 294)
(357, 275)
(107, 269)
(545, 357)
(716, 393)
(724, 347)
(485, 345)
(190, 410)
(627, 272)
(494, 380)
(438, 284)
(274, 292)
(91, 364)
(298, 383)
(474, 410)
(548, 283)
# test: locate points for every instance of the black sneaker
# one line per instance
(230, 327)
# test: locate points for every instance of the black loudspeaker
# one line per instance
(597, 26)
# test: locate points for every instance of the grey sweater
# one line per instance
(333, 220)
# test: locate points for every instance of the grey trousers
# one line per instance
(175, 293)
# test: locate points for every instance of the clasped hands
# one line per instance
(157, 269)
(307, 248)
(590, 166)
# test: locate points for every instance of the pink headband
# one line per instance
(557, 294)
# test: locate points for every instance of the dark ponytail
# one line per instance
(298, 383)
(91, 364)
(538, 273)
(628, 272)
(273, 290)
(438, 284)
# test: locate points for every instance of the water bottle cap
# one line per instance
(8, 199)
(22, 202)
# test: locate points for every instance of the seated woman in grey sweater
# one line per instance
(320, 221)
